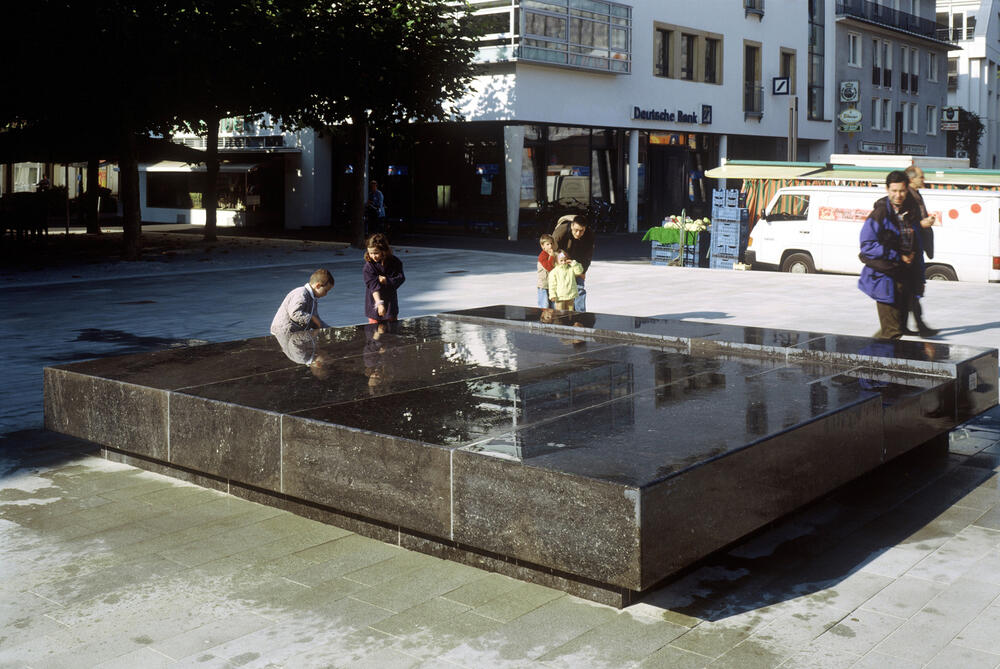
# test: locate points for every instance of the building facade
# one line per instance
(627, 103)
(973, 70)
(891, 79)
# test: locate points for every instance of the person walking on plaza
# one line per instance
(546, 262)
(299, 310)
(892, 253)
(375, 209)
(383, 275)
(563, 281)
(916, 201)
(573, 236)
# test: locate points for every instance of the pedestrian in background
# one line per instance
(383, 275)
(573, 236)
(546, 262)
(926, 231)
(889, 246)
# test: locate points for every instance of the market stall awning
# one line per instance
(757, 169)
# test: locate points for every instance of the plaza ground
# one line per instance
(105, 565)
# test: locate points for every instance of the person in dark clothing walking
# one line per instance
(892, 252)
(926, 231)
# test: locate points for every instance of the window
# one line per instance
(687, 56)
(786, 68)
(752, 88)
(932, 66)
(953, 74)
(909, 117)
(970, 26)
(590, 35)
(904, 70)
(683, 53)
(886, 120)
(789, 207)
(816, 76)
(876, 113)
(887, 64)
(854, 49)
(711, 60)
(914, 69)
(662, 43)
(931, 121)
(914, 114)
(876, 62)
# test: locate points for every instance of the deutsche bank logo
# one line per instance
(779, 86)
(706, 114)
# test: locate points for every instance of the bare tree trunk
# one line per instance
(128, 184)
(210, 198)
(91, 212)
(360, 127)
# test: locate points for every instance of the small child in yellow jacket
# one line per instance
(562, 281)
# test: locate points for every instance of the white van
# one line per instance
(817, 229)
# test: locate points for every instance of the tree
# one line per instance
(970, 131)
(371, 63)
(102, 118)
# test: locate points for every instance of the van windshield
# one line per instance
(790, 207)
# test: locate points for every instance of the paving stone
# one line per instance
(955, 655)
(671, 657)
(857, 633)
(421, 616)
(406, 591)
(209, 635)
(883, 661)
(815, 656)
(478, 592)
(623, 640)
(532, 635)
(428, 643)
(518, 601)
(904, 597)
(983, 633)
(957, 555)
(925, 634)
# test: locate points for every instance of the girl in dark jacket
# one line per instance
(383, 275)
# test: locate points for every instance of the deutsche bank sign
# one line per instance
(679, 116)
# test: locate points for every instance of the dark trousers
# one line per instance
(892, 317)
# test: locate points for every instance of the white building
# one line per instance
(974, 68)
(625, 102)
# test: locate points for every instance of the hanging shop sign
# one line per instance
(850, 120)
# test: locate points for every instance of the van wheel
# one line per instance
(940, 273)
(798, 263)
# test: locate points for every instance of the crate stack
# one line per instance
(666, 254)
(730, 229)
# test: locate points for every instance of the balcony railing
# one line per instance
(956, 34)
(892, 18)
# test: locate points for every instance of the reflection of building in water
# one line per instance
(675, 374)
(598, 392)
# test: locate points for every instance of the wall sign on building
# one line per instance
(679, 116)
(850, 120)
(849, 91)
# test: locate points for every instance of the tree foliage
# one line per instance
(190, 63)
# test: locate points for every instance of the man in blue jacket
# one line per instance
(893, 256)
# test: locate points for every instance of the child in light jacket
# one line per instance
(562, 281)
